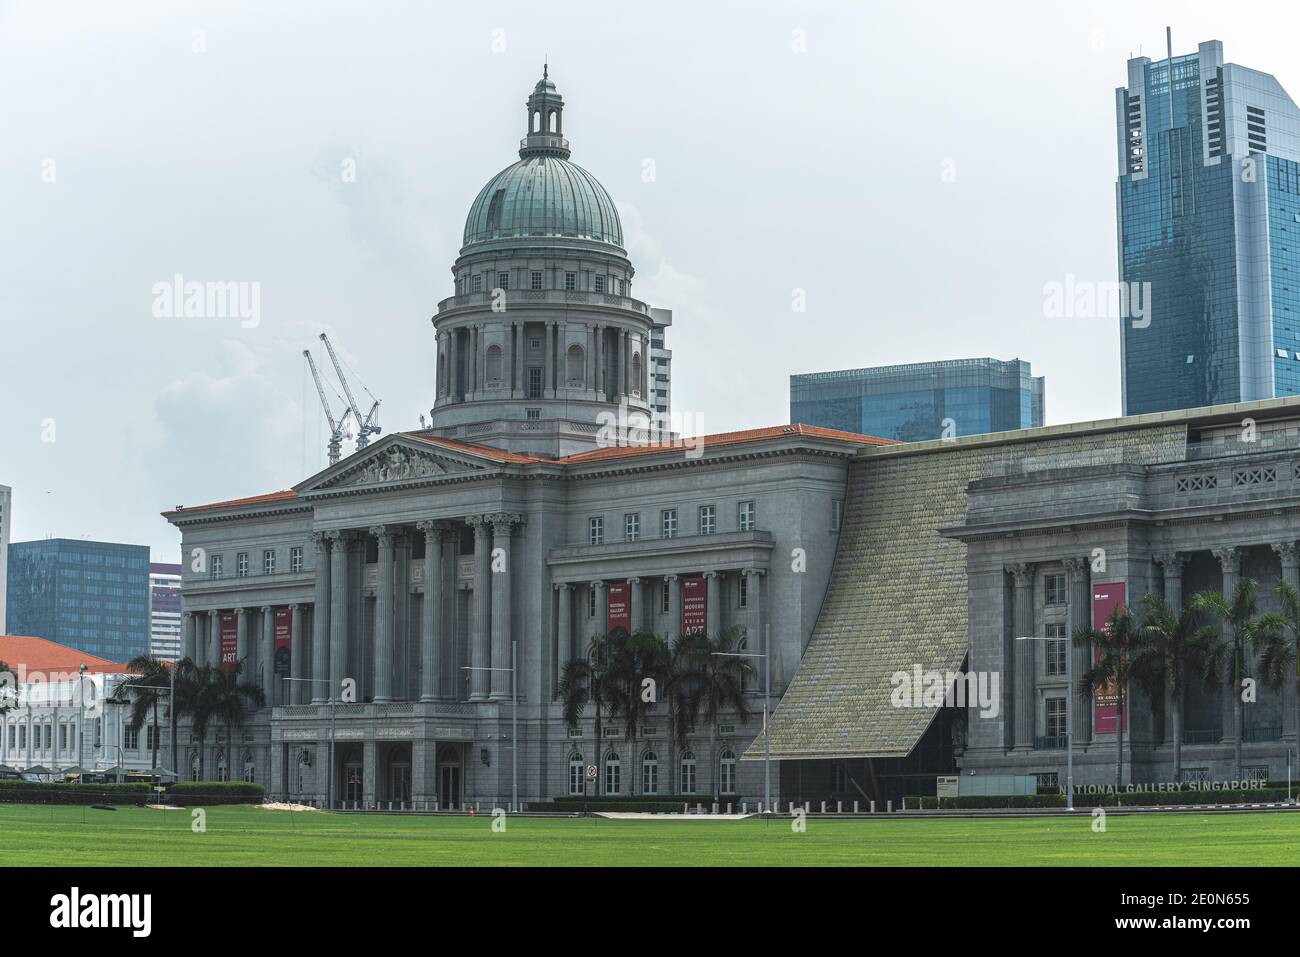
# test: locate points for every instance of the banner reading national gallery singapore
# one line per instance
(620, 609)
(283, 641)
(1106, 598)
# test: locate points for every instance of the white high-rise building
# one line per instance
(165, 611)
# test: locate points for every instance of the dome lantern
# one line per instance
(545, 121)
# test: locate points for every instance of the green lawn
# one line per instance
(73, 836)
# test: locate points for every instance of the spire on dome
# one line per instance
(545, 121)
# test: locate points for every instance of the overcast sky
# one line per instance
(920, 170)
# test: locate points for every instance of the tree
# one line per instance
(634, 660)
(229, 696)
(586, 681)
(1275, 642)
(193, 699)
(1224, 657)
(8, 688)
(149, 684)
(714, 683)
(1169, 643)
(1116, 645)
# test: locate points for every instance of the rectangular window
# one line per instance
(268, 562)
(63, 738)
(241, 564)
(622, 291)
(837, 513)
(668, 523)
(503, 280)
(665, 598)
(152, 738)
(295, 558)
(570, 280)
(600, 284)
(746, 517)
(99, 728)
(1057, 648)
(535, 280)
(595, 530)
(631, 526)
(591, 603)
(533, 415)
(1054, 589)
(1055, 717)
(534, 382)
(216, 566)
(131, 739)
(743, 592)
(476, 284)
(708, 519)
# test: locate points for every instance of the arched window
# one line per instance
(194, 768)
(576, 771)
(575, 372)
(688, 772)
(727, 765)
(250, 769)
(613, 775)
(494, 365)
(537, 121)
(442, 373)
(223, 769)
(636, 374)
(554, 123)
(649, 773)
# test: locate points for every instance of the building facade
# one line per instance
(1208, 194)
(923, 400)
(6, 518)
(381, 602)
(165, 610)
(65, 717)
(93, 596)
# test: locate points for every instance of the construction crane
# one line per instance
(367, 425)
(336, 425)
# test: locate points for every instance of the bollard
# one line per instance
(728, 808)
(873, 806)
(686, 808)
(839, 807)
(699, 807)
(889, 808)
(855, 807)
(713, 808)
(823, 807)
(791, 807)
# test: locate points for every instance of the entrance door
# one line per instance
(399, 783)
(352, 783)
(449, 792)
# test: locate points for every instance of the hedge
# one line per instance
(1122, 799)
(46, 792)
(648, 804)
(216, 792)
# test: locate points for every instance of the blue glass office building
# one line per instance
(93, 596)
(1208, 202)
(924, 400)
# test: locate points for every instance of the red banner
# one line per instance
(695, 605)
(229, 639)
(1105, 701)
(283, 640)
(619, 615)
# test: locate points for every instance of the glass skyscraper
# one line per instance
(1208, 202)
(93, 596)
(924, 400)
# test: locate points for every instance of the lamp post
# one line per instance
(767, 701)
(514, 724)
(329, 781)
(1069, 700)
(81, 716)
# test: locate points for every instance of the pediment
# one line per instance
(392, 463)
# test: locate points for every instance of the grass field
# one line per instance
(74, 836)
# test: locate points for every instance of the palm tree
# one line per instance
(193, 698)
(1116, 645)
(714, 684)
(150, 683)
(229, 696)
(1223, 659)
(1275, 641)
(588, 680)
(8, 688)
(1169, 642)
(634, 659)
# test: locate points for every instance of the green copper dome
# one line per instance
(543, 196)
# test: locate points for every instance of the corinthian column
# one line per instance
(480, 636)
(265, 655)
(241, 639)
(1024, 654)
(430, 611)
(320, 621)
(214, 638)
(297, 657)
(1173, 563)
(383, 660)
(713, 617)
(1230, 560)
(501, 586)
(187, 646)
(674, 585)
(1290, 556)
(340, 543)
(1080, 598)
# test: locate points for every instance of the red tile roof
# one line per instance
(37, 654)
(595, 455)
(728, 438)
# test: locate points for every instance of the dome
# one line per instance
(543, 196)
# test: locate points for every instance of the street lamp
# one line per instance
(81, 716)
(514, 724)
(767, 700)
(329, 781)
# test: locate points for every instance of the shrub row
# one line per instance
(44, 792)
(216, 792)
(653, 804)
